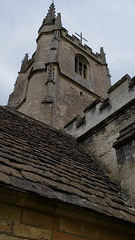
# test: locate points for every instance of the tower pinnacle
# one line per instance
(24, 63)
(50, 18)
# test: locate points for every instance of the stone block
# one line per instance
(70, 226)
(79, 228)
(9, 212)
(65, 236)
(26, 231)
(38, 219)
(106, 234)
(5, 227)
(7, 237)
(91, 230)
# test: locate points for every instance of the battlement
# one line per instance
(76, 41)
(101, 111)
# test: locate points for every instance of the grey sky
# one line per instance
(106, 23)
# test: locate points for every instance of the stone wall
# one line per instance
(35, 220)
(125, 150)
(98, 78)
(100, 142)
(35, 94)
(100, 127)
(71, 100)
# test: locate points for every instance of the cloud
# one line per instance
(6, 76)
(104, 23)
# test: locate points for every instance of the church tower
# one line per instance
(62, 77)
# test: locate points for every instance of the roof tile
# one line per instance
(39, 159)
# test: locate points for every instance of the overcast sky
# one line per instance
(104, 23)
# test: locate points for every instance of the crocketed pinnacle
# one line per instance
(50, 18)
(24, 63)
(102, 53)
(58, 23)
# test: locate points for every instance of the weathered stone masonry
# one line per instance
(48, 88)
(100, 127)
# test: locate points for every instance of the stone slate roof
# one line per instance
(38, 159)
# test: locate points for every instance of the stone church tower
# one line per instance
(62, 78)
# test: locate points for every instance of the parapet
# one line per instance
(101, 111)
(100, 57)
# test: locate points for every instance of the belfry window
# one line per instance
(81, 66)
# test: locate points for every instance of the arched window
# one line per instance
(81, 66)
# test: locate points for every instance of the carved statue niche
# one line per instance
(55, 39)
(50, 81)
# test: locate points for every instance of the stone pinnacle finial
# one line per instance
(24, 63)
(50, 18)
(58, 22)
(102, 53)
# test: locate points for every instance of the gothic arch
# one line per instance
(81, 66)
